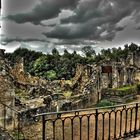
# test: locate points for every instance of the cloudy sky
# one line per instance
(72, 24)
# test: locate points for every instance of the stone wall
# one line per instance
(7, 90)
(119, 96)
(24, 78)
(137, 76)
(136, 58)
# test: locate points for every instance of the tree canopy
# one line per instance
(55, 66)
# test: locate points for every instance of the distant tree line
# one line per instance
(55, 66)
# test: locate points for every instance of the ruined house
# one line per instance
(124, 72)
(108, 74)
(13, 77)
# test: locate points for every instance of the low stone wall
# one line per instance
(76, 102)
(81, 101)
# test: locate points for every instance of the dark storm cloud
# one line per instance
(95, 19)
(69, 31)
(5, 40)
(90, 19)
(88, 30)
(75, 42)
(47, 9)
(16, 6)
(138, 28)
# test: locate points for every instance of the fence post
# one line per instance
(96, 124)
(136, 117)
(43, 127)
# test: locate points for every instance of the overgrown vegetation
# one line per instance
(22, 94)
(126, 90)
(55, 66)
(104, 103)
(138, 88)
(17, 135)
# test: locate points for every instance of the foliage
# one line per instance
(67, 94)
(64, 66)
(39, 66)
(88, 51)
(104, 103)
(22, 94)
(50, 75)
(126, 90)
(138, 87)
(28, 55)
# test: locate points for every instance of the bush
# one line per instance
(50, 75)
(126, 90)
(138, 88)
(104, 103)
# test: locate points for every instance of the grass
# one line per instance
(22, 94)
(68, 82)
(125, 88)
(67, 94)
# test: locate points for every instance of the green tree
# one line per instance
(40, 66)
(88, 51)
(29, 56)
(55, 52)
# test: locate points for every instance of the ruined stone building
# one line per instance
(107, 74)
(88, 81)
(124, 72)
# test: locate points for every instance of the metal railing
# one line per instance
(106, 123)
(96, 123)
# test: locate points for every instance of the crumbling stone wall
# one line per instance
(14, 77)
(7, 90)
(85, 82)
(6, 81)
(84, 76)
(137, 59)
(137, 76)
(22, 77)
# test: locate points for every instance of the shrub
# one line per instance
(138, 88)
(126, 90)
(50, 75)
(104, 103)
